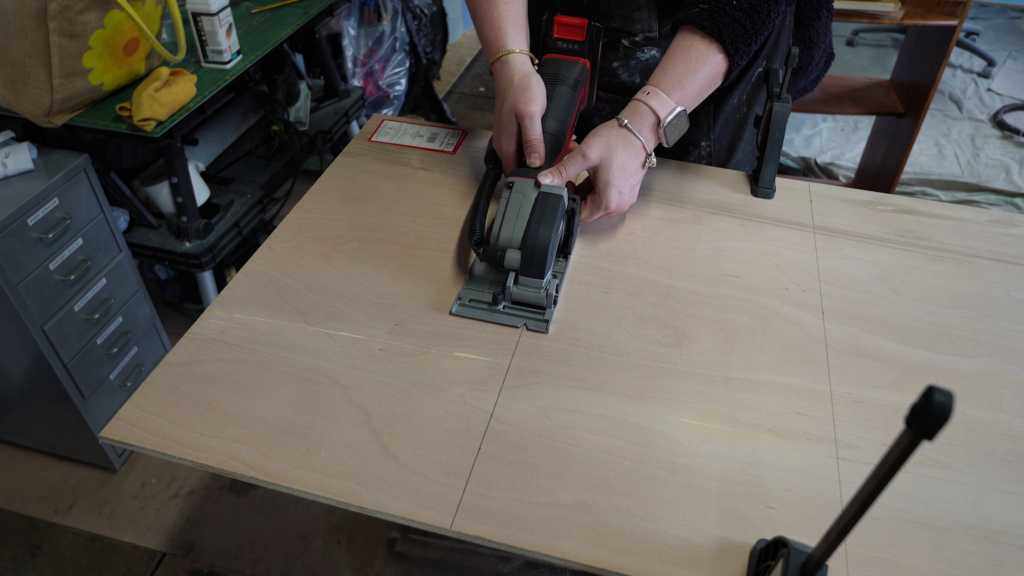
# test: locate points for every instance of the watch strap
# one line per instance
(657, 101)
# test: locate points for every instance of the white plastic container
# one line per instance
(213, 27)
(154, 182)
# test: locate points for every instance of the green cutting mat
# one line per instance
(258, 34)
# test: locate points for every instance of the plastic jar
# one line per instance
(213, 28)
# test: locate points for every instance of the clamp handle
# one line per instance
(926, 417)
(791, 60)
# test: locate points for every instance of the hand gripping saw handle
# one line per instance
(521, 265)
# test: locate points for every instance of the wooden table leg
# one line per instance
(915, 78)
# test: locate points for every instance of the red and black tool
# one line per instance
(519, 270)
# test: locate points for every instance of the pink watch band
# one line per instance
(656, 100)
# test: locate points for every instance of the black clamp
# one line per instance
(783, 556)
(771, 127)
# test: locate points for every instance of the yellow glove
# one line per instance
(158, 97)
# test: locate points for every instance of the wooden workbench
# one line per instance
(721, 368)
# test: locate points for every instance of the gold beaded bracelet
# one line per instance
(506, 53)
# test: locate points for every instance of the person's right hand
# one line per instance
(520, 101)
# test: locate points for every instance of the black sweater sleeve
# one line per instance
(741, 26)
(813, 36)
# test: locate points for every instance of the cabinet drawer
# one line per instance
(92, 308)
(105, 352)
(64, 274)
(135, 365)
(48, 226)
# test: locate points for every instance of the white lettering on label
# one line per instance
(67, 252)
(123, 362)
(85, 299)
(107, 332)
(43, 211)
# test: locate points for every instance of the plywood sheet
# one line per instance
(329, 367)
(681, 409)
(721, 369)
(919, 292)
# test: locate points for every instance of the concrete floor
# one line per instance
(156, 517)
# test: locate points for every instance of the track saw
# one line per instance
(520, 266)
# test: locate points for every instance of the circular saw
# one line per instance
(520, 266)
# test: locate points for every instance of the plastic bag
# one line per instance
(376, 52)
(427, 24)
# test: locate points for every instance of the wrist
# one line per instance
(512, 65)
(644, 121)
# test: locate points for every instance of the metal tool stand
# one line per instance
(190, 225)
(241, 196)
(782, 556)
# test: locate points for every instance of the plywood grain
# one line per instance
(721, 369)
(329, 367)
(917, 292)
(681, 410)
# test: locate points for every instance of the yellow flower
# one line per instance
(118, 54)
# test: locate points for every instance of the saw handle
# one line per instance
(566, 82)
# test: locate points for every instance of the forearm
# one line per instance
(500, 24)
(693, 67)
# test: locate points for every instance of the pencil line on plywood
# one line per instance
(486, 428)
(828, 364)
(223, 323)
(356, 336)
(696, 423)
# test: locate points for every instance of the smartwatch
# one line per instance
(673, 119)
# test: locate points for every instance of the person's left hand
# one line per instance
(615, 161)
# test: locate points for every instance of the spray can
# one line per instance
(213, 28)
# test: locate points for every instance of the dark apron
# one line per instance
(722, 128)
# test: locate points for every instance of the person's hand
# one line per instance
(520, 101)
(615, 160)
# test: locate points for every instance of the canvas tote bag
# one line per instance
(59, 56)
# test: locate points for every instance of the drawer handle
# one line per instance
(65, 221)
(101, 309)
(116, 346)
(139, 369)
(82, 267)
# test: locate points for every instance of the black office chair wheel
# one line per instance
(988, 71)
(852, 40)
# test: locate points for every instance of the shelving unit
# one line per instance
(901, 102)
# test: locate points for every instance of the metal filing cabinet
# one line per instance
(78, 332)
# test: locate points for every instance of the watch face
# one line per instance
(675, 126)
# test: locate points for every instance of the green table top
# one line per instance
(258, 34)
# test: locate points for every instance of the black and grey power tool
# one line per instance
(520, 268)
